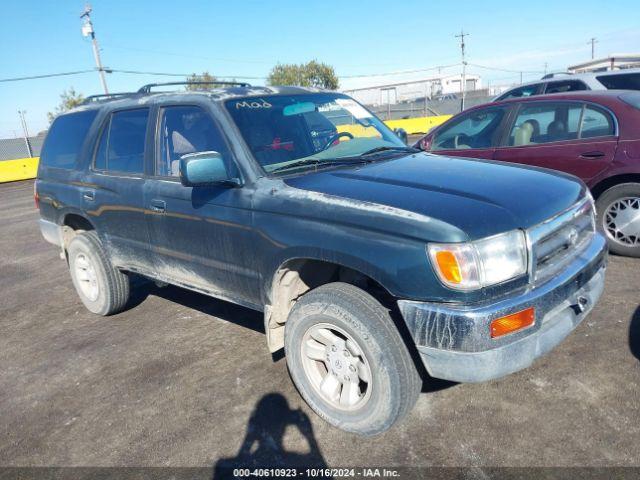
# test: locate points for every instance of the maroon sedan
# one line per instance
(593, 135)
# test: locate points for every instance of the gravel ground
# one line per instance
(181, 379)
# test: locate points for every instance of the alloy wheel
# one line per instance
(621, 221)
(336, 366)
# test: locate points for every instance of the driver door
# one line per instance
(475, 134)
(201, 237)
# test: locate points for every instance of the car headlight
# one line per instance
(473, 265)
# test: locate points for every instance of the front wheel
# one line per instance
(348, 360)
(618, 211)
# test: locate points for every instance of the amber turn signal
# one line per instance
(449, 267)
(512, 323)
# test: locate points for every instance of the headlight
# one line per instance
(473, 265)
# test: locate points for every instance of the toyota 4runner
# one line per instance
(372, 261)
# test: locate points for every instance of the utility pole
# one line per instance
(87, 31)
(25, 132)
(593, 42)
(546, 65)
(464, 67)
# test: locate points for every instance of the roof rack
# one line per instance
(556, 74)
(147, 88)
(107, 96)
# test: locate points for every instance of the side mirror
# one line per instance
(424, 143)
(401, 134)
(204, 168)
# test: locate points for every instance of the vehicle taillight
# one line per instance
(36, 197)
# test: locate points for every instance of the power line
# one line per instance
(505, 69)
(399, 72)
(167, 74)
(48, 75)
(184, 55)
(248, 77)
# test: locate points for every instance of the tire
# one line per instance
(621, 202)
(103, 289)
(360, 324)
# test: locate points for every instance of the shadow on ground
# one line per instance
(263, 445)
(634, 334)
(253, 320)
(227, 311)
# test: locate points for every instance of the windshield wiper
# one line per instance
(388, 149)
(318, 161)
(350, 160)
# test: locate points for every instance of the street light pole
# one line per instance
(87, 31)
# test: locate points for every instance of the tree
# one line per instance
(311, 74)
(68, 100)
(204, 77)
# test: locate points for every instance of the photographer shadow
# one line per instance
(634, 334)
(263, 447)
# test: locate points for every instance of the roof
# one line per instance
(216, 95)
(586, 95)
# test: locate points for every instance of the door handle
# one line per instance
(88, 195)
(596, 154)
(158, 206)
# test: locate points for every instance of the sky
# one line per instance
(361, 40)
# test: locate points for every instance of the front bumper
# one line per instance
(454, 340)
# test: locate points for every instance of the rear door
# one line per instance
(474, 134)
(113, 194)
(573, 137)
(200, 236)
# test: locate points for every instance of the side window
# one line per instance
(121, 146)
(596, 123)
(565, 86)
(184, 130)
(65, 139)
(621, 81)
(525, 91)
(478, 129)
(545, 122)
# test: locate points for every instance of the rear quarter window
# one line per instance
(65, 139)
(621, 81)
(631, 98)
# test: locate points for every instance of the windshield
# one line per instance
(308, 129)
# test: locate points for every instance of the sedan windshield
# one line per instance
(286, 132)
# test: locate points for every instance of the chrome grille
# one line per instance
(557, 241)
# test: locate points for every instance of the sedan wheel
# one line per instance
(622, 221)
(618, 211)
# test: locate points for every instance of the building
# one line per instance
(612, 62)
(409, 91)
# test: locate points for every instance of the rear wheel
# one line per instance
(103, 289)
(348, 361)
(618, 211)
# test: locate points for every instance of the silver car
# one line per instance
(628, 79)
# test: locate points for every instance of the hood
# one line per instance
(479, 197)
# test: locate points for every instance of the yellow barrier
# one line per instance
(412, 126)
(20, 169)
(417, 125)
